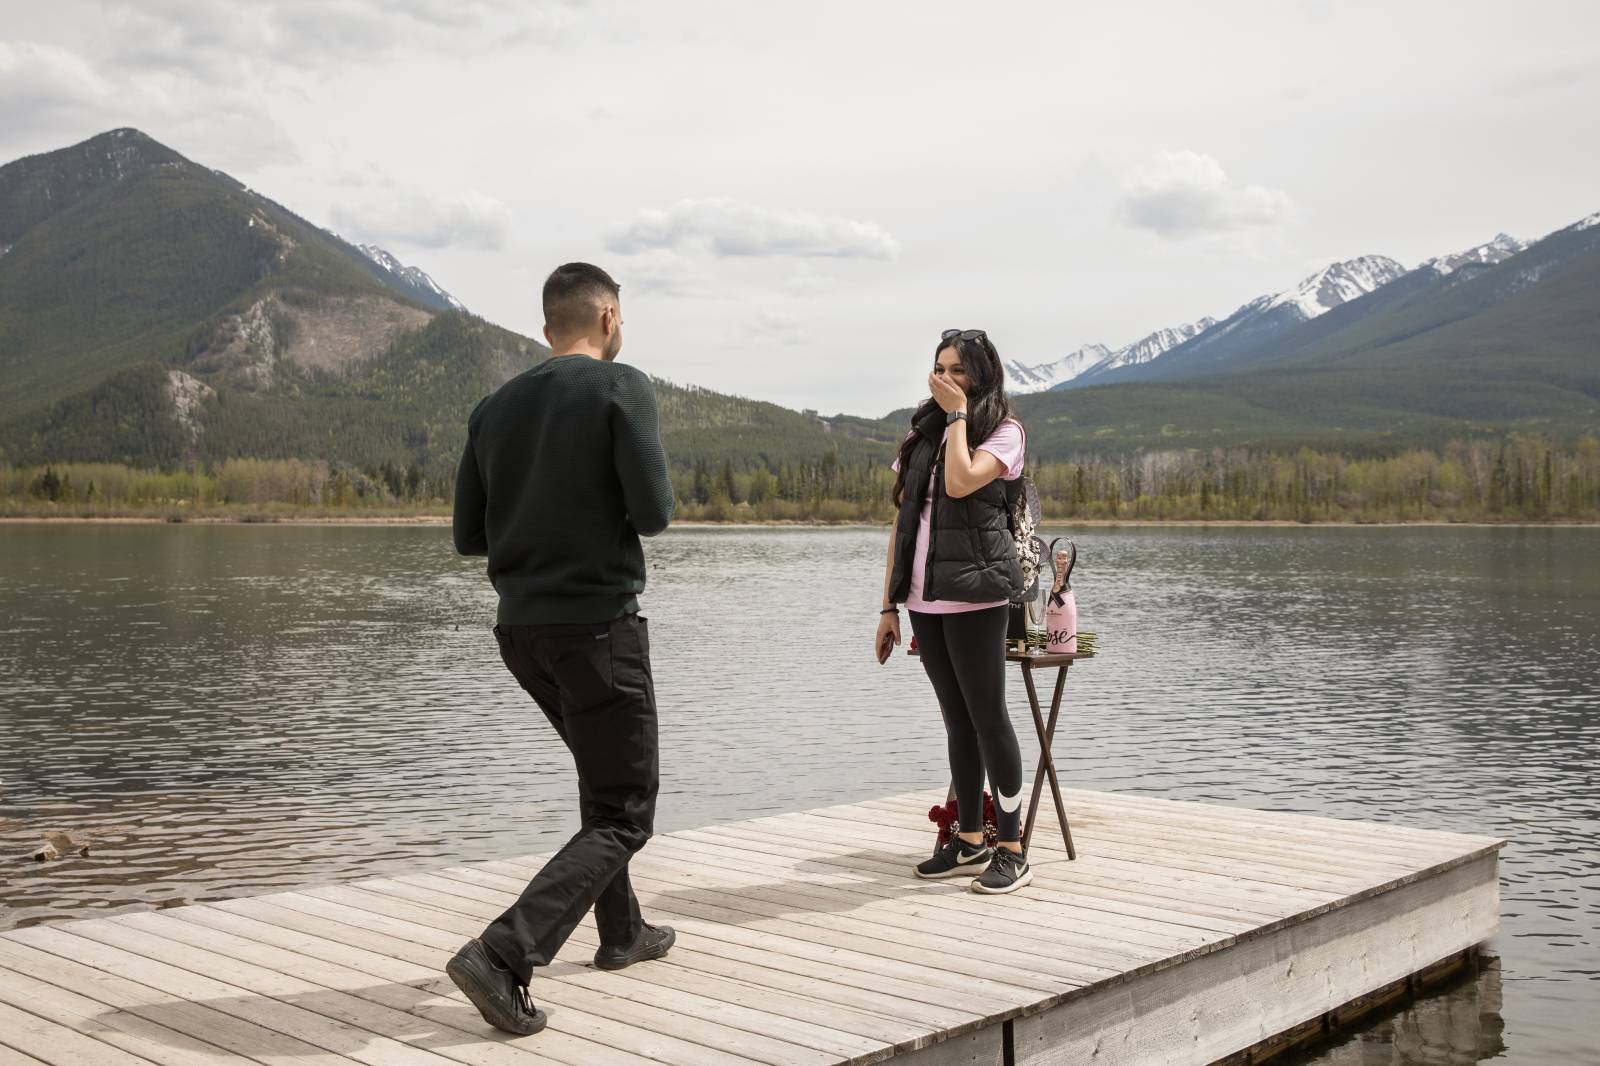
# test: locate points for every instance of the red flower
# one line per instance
(948, 819)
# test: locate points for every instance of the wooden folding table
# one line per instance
(1031, 661)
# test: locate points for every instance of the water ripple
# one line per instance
(229, 710)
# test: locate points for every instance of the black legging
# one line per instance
(965, 656)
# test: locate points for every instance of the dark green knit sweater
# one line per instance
(563, 470)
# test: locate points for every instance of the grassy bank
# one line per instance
(1510, 480)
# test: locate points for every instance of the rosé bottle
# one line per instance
(1061, 611)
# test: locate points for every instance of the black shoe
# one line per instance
(494, 990)
(653, 942)
(956, 859)
(1007, 872)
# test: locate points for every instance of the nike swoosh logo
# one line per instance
(1009, 804)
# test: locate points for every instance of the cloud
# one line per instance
(387, 213)
(663, 272)
(46, 87)
(731, 229)
(1179, 195)
(57, 92)
(212, 38)
(776, 327)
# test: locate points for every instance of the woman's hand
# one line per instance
(947, 393)
(888, 626)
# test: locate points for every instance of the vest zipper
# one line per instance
(933, 525)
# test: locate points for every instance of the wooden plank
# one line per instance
(1285, 822)
(985, 1047)
(320, 902)
(1057, 953)
(1199, 894)
(1115, 905)
(1260, 868)
(1229, 888)
(384, 979)
(811, 1034)
(243, 1038)
(1289, 824)
(10, 1056)
(884, 956)
(900, 1008)
(1305, 866)
(57, 1044)
(1355, 889)
(804, 938)
(903, 1017)
(918, 914)
(817, 1007)
(410, 940)
(1048, 908)
(1109, 823)
(1292, 829)
(120, 1029)
(1234, 999)
(315, 1016)
(971, 967)
(371, 894)
(745, 1041)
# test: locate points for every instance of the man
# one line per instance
(563, 471)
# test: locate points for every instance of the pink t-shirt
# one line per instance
(1008, 443)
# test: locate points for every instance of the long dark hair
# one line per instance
(987, 402)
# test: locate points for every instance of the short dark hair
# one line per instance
(573, 294)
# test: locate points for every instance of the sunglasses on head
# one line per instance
(963, 334)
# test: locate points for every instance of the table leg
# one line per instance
(1047, 764)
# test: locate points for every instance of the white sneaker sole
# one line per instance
(1022, 882)
(955, 871)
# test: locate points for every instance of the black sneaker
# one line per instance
(494, 990)
(955, 859)
(1008, 872)
(653, 942)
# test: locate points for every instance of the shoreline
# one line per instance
(1094, 523)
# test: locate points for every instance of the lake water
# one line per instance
(227, 710)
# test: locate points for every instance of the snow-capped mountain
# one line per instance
(1149, 347)
(1097, 358)
(411, 275)
(1254, 327)
(1337, 284)
(1025, 379)
(1501, 248)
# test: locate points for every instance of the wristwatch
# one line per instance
(953, 417)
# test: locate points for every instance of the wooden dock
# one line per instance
(1183, 934)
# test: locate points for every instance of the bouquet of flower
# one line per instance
(948, 820)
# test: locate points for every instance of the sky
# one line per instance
(798, 197)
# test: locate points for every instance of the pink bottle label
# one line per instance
(1061, 622)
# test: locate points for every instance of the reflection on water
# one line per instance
(1457, 1026)
(227, 710)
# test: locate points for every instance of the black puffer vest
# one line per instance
(972, 557)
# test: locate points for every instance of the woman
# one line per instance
(953, 563)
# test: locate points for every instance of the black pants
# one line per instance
(593, 682)
(965, 657)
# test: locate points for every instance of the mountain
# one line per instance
(1257, 326)
(37, 187)
(156, 312)
(1489, 253)
(1147, 348)
(122, 251)
(1093, 359)
(1484, 347)
(409, 278)
(1021, 380)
